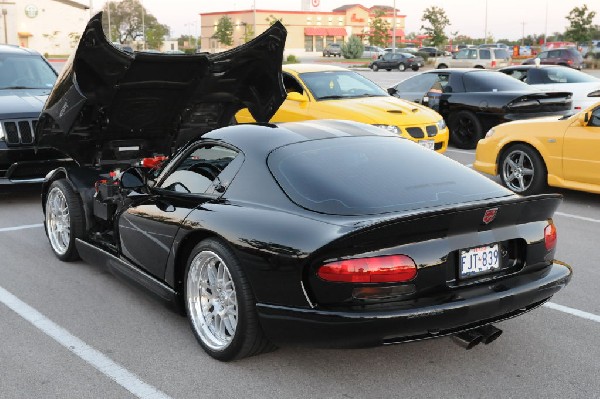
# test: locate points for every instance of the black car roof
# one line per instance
(266, 137)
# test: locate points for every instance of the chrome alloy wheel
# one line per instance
(212, 300)
(58, 221)
(518, 171)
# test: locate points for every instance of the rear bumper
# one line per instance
(468, 309)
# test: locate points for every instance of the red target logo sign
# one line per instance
(315, 3)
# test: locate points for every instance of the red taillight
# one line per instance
(550, 236)
(493, 63)
(569, 62)
(382, 269)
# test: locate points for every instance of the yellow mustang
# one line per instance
(560, 152)
(330, 92)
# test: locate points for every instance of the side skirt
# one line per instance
(121, 268)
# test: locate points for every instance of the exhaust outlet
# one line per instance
(468, 339)
(489, 333)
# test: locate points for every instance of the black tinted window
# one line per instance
(485, 54)
(374, 175)
(490, 81)
(501, 54)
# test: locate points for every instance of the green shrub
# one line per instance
(292, 59)
(353, 48)
(422, 54)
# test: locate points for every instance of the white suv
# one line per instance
(488, 58)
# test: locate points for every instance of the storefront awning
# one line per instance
(319, 31)
(314, 31)
(399, 32)
(339, 31)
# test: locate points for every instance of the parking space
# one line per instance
(114, 340)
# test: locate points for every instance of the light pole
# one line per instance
(4, 12)
(143, 26)
(394, 30)
(109, 27)
(485, 28)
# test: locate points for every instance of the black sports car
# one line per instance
(473, 100)
(331, 233)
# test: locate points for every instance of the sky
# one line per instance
(505, 18)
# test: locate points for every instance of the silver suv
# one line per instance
(487, 58)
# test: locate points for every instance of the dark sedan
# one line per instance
(473, 100)
(400, 61)
(268, 234)
(432, 51)
(568, 57)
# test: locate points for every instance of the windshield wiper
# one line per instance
(18, 87)
(331, 97)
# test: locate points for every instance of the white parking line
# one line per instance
(574, 312)
(25, 226)
(98, 360)
(568, 215)
(460, 151)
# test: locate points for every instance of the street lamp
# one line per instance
(4, 12)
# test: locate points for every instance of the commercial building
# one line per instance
(309, 30)
(48, 26)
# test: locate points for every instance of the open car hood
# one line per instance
(109, 105)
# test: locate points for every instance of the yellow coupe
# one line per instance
(330, 92)
(530, 154)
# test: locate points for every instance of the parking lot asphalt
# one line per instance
(72, 330)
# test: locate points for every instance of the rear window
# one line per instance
(374, 175)
(491, 81)
(501, 54)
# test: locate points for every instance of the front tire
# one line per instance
(375, 68)
(465, 130)
(402, 67)
(220, 305)
(64, 220)
(522, 170)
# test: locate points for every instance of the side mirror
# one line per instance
(295, 96)
(392, 90)
(584, 118)
(132, 179)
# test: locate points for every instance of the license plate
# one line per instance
(480, 260)
(429, 144)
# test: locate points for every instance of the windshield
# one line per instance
(333, 85)
(492, 81)
(25, 72)
(374, 175)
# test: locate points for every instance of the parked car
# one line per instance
(585, 88)
(331, 233)
(593, 51)
(562, 56)
(432, 51)
(530, 155)
(494, 45)
(26, 79)
(400, 61)
(488, 58)
(372, 52)
(331, 92)
(474, 100)
(411, 50)
(334, 49)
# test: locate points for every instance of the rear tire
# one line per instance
(465, 130)
(415, 68)
(220, 304)
(522, 170)
(402, 67)
(375, 68)
(64, 220)
(442, 66)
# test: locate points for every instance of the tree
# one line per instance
(248, 32)
(436, 17)
(353, 48)
(187, 41)
(224, 32)
(271, 19)
(581, 27)
(379, 29)
(129, 20)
